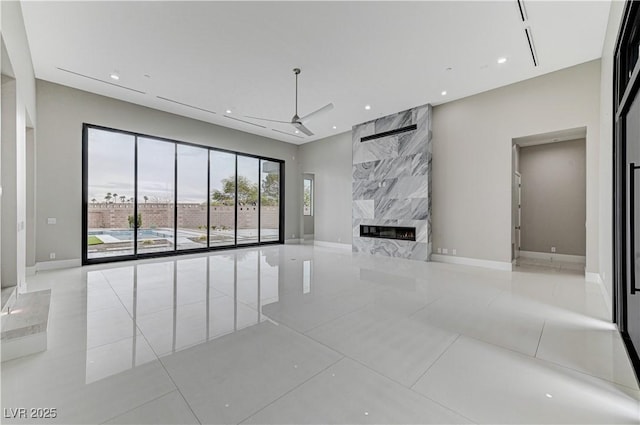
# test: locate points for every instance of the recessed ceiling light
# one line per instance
(114, 76)
(548, 395)
(367, 107)
(228, 111)
(502, 60)
(297, 132)
(444, 92)
(334, 127)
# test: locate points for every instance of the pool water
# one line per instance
(127, 235)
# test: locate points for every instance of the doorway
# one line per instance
(549, 200)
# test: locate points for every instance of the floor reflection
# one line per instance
(138, 312)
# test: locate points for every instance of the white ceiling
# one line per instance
(240, 55)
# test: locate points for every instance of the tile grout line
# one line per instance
(140, 405)
(637, 390)
(400, 383)
(157, 357)
(434, 362)
(290, 390)
(535, 355)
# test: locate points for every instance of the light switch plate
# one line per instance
(51, 220)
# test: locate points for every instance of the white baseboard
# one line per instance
(309, 236)
(293, 241)
(57, 264)
(581, 259)
(593, 277)
(335, 245)
(597, 279)
(30, 270)
(487, 264)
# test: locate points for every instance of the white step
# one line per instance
(8, 297)
(24, 325)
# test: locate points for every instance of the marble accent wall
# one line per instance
(392, 183)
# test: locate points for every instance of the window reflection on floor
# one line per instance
(137, 313)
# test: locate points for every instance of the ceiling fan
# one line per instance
(296, 121)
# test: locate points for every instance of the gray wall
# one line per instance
(472, 161)
(606, 149)
(20, 113)
(61, 112)
(472, 150)
(329, 160)
(553, 197)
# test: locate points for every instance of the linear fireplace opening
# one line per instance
(388, 232)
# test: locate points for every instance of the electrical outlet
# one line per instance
(439, 250)
(52, 256)
(553, 249)
(453, 251)
(445, 251)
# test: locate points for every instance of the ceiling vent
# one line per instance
(523, 12)
(527, 31)
(246, 122)
(101, 81)
(185, 104)
(288, 134)
(532, 48)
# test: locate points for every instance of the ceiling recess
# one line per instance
(532, 48)
(185, 104)
(523, 13)
(246, 122)
(101, 81)
(288, 134)
(527, 32)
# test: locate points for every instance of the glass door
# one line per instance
(222, 197)
(110, 193)
(247, 200)
(156, 196)
(193, 169)
(269, 201)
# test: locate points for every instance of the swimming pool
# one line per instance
(127, 235)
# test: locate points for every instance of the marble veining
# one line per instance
(363, 208)
(392, 183)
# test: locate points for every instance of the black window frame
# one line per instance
(175, 251)
(626, 88)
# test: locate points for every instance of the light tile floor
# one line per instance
(304, 334)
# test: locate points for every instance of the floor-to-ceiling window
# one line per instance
(110, 167)
(193, 164)
(247, 200)
(626, 181)
(269, 200)
(146, 196)
(222, 206)
(156, 195)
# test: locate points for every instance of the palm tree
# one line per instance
(115, 197)
(108, 197)
(122, 198)
(94, 200)
(146, 198)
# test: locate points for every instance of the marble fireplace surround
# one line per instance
(391, 182)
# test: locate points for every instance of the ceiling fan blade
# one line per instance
(317, 113)
(266, 119)
(302, 128)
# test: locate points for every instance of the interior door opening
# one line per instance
(549, 200)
